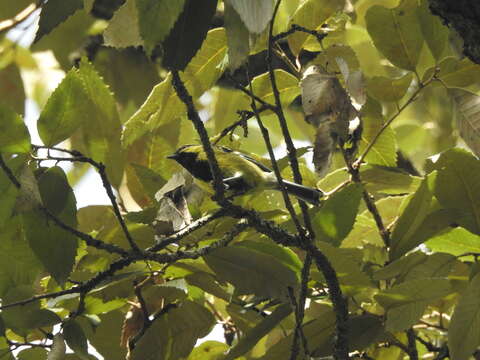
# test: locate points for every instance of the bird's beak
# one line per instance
(173, 156)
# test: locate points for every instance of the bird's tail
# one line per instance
(302, 192)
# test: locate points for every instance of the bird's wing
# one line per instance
(262, 166)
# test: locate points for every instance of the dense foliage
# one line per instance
(385, 268)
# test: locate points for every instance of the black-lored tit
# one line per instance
(241, 173)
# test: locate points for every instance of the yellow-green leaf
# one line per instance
(396, 33)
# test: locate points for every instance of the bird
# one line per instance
(241, 173)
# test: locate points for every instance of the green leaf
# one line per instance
(12, 92)
(238, 37)
(55, 247)
(435, 33)
(464, 329)
(9, 9)
(287, 87)
(33, 354)
(432, 224)
(387, 180)
(207, 283)
(101, 127)
(67, 39)
(409, 292)
(64, 110)
(318, 333)
(384, 151)
(410, 220)
(263, 269)
(386, 89)
(123, 29)
(173, 335)
(162, 106)
(95, 306)
(327, 59)
(107, 336)
(363, 330)
(13, 245)
(400, 267)
(396, 33)
(456, 241)
(256, 15)
(347, 264)
(311, 14)
(58, 349)
(76, 339)
(209, 350)
(336, 217)
(23, 318)
(405, 303)
(14, 136)
(252, 337)
(139, 75)
(456, 73)
(457, 184)
(55, 12)
(188, 33)
(156, 18)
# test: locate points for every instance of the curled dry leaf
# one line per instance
(327, 106)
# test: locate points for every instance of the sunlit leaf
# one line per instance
(396, 33)
(456, 241)
(311, 14)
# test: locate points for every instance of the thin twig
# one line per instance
(294, 28)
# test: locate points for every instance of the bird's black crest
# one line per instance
(189, 160)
